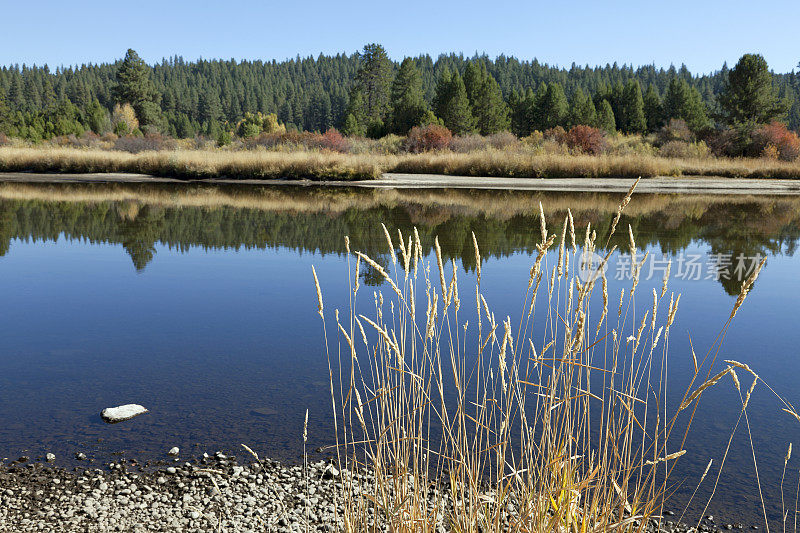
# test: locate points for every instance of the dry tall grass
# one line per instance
(500, 163)
(555, 421)
(255, 164)
(325, 165)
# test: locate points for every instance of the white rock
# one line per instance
(50, 457)
(330, 472)
(174, 451)
(112, 415)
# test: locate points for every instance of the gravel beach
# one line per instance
(209, 493)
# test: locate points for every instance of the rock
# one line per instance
(80, 456)
(171, 470)
(330, 472)
(112, 415)
(50, 457)
(174, 451)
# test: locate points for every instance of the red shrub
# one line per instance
(587, 139)
(777, 136)
(335, 141)
(430, 137)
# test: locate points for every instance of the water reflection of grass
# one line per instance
(489, 203)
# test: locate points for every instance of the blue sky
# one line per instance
(701, 34)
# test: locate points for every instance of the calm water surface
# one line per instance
(198, 303)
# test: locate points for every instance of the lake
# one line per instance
(198, 302)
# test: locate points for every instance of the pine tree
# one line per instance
(135, 87)
(684, 102)
(605, 117)
(319, 116)
(209, 107)
(3, 109)
(473, 79)
(489, 110)
(452, 104)
(16, 94)
(97, 118)
(408, 103)
(32, 95)
(442, 93)
(49, 99)
(374, 80)
(534, 107)
(553, 109)
(631, 117)
(356, 120)
(653, 110)
(522, 110)
(748, 98)
(581, 110)
(184, 128)
(286, 113)
(351, 127)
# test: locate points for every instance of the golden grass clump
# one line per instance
(546, 422)
(255, 164)
(310, 164)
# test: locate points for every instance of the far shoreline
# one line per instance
(652, 185)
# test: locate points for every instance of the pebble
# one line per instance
(330, 472)
(247, 497)
(174, 451)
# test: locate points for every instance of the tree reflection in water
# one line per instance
(140, 216)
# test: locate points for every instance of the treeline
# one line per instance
(365, 94)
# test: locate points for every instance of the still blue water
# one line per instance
(207, 316)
